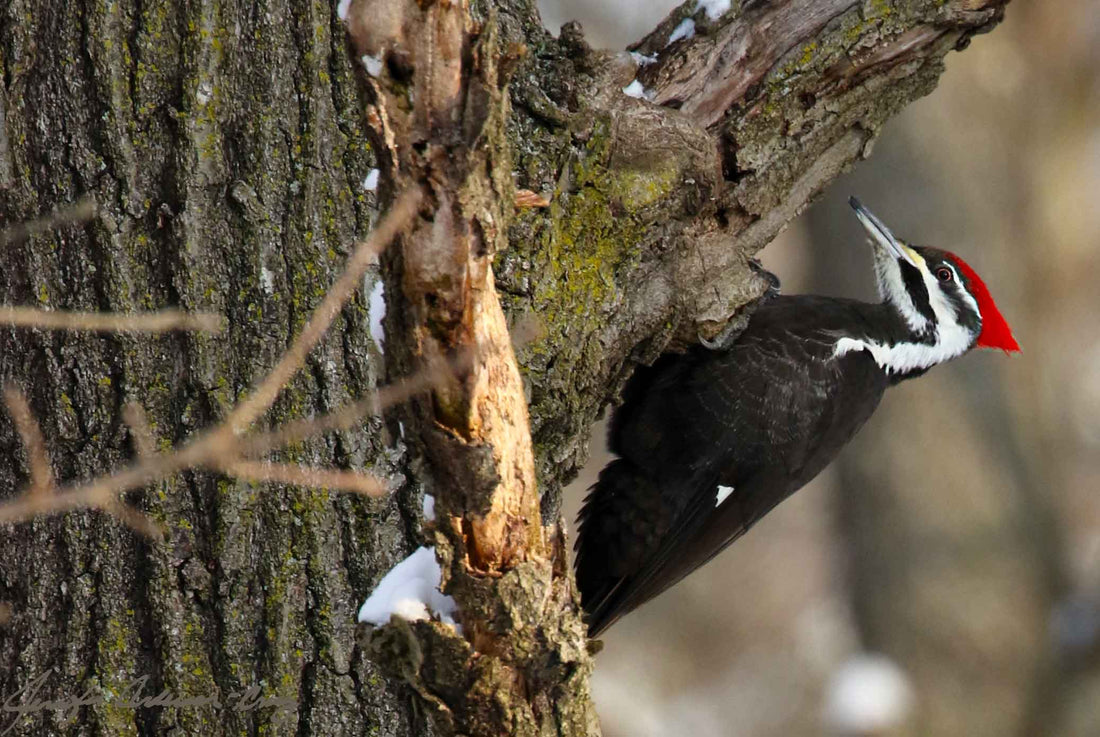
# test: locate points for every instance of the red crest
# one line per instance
(995, 330)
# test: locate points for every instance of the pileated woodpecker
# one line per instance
(708, 442)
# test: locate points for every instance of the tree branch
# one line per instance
(150, 322)
(220, 447)
(739, 127)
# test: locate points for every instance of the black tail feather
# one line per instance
(620, 522)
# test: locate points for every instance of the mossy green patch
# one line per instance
(585, 237)
(569, 259)
(115, 672)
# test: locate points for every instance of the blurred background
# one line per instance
(943, 576)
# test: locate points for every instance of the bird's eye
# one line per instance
(944, 274)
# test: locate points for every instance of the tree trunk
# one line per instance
(226, 148)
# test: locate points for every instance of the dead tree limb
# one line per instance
(437, 110)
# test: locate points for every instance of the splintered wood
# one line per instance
(450, 141)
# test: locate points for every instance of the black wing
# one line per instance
(763, 417)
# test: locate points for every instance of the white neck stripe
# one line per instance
(901, 358)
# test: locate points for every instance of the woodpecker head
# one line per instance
(944, 304)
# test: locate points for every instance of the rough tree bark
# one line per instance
(225, 144)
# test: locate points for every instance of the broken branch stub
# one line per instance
(436, 107)
(437, 110)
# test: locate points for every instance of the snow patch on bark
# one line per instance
(372, 64)
(410, 591)
(370, 182)
(428, 507)
(267, 280)
(714, 8)
(686, 29)
(634, 89)
(376, 313)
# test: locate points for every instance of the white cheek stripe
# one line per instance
(949, 333)
(892, 289)
(952, 339)
(944, 312)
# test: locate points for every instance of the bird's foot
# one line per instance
(726, 337)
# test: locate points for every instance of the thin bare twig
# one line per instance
(260, 400)
(345, 418)
(42, 482)
(211, 445)
(134, 417)
(111, 322)
(135, 520)
(80, 211)
(102, 492)
(38, 461)
(317, 478)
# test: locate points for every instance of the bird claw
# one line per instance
(773, 281)
(726, 338)
(734, 327)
